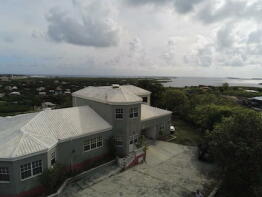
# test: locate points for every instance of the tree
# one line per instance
(176, 101)
(206, 116)
(236, 144)
(155, 88)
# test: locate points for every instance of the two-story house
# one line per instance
(101, 117)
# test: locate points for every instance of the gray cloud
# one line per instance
(255, 36)
(231, 9)
(224, 37)
(181, 6)
(185, 6)
(94, 26)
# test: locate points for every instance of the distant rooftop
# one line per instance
(259, 98)
(35, 132)
(115, 94)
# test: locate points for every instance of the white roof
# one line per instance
(148, 112)
(30, 133)
(126, 94)
(136, 90)
(259, 98)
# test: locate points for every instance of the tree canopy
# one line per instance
(236, 143)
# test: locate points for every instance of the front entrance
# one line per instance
(132, 142)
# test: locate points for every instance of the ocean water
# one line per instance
(195, 81)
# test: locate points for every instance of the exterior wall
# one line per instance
(126, 127)
(104, 110)
(71, 153)
(17, 185)
(151, 127)
(49, 156)
(148, 99)
(123, 128)
(8, 188)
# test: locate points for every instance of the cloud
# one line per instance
(185, 6)
(255, 36)
(232, 45)
(230, 9)
(181, 6)
(224, 37)
(94, 25)
(170, 55)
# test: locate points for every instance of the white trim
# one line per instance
(90, 144)
(4, 182)
(110, 103)
(155, 117)
(119, 113)
(31, 170)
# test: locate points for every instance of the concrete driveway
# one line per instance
(170, 170)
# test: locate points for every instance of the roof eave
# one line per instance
(156, 117)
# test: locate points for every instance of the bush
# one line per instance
(53, 178)
(237, 147)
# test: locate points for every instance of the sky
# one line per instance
(207, 38)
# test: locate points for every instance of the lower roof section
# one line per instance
(148, 112)
(37, 132)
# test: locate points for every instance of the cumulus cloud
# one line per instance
(224, 37)
(230, 9)
(230, 46)
(94, 24)
(169, 55)
(181, 6)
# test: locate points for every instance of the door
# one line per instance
(131, 143)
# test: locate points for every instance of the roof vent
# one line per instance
(115, 85)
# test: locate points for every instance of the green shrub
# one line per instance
(53, 178)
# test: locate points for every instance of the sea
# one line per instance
(196, 81)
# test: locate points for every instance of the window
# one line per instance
(136, 139)
(131, 140)
(4, 174)
(53, 159)
(119, 113)
(144, 99)
(87, 145)
(99, 141)
(37, 167)
(161, 129)
(93, 143)
(133, 112)
(118, 141)
(26, 171)
(31, 169)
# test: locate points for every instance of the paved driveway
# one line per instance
(170, 170)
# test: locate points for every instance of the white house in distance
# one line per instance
(103, 122)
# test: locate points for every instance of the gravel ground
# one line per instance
(170, 170)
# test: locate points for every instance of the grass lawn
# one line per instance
(185, 134)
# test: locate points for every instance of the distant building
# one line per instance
(251, 91)
(48, 105)
(40, 89)
(14, 88)
(4, 78)
(103, 119)
(67, 91)
(15, 93)
(42, 93)
(256, 102)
